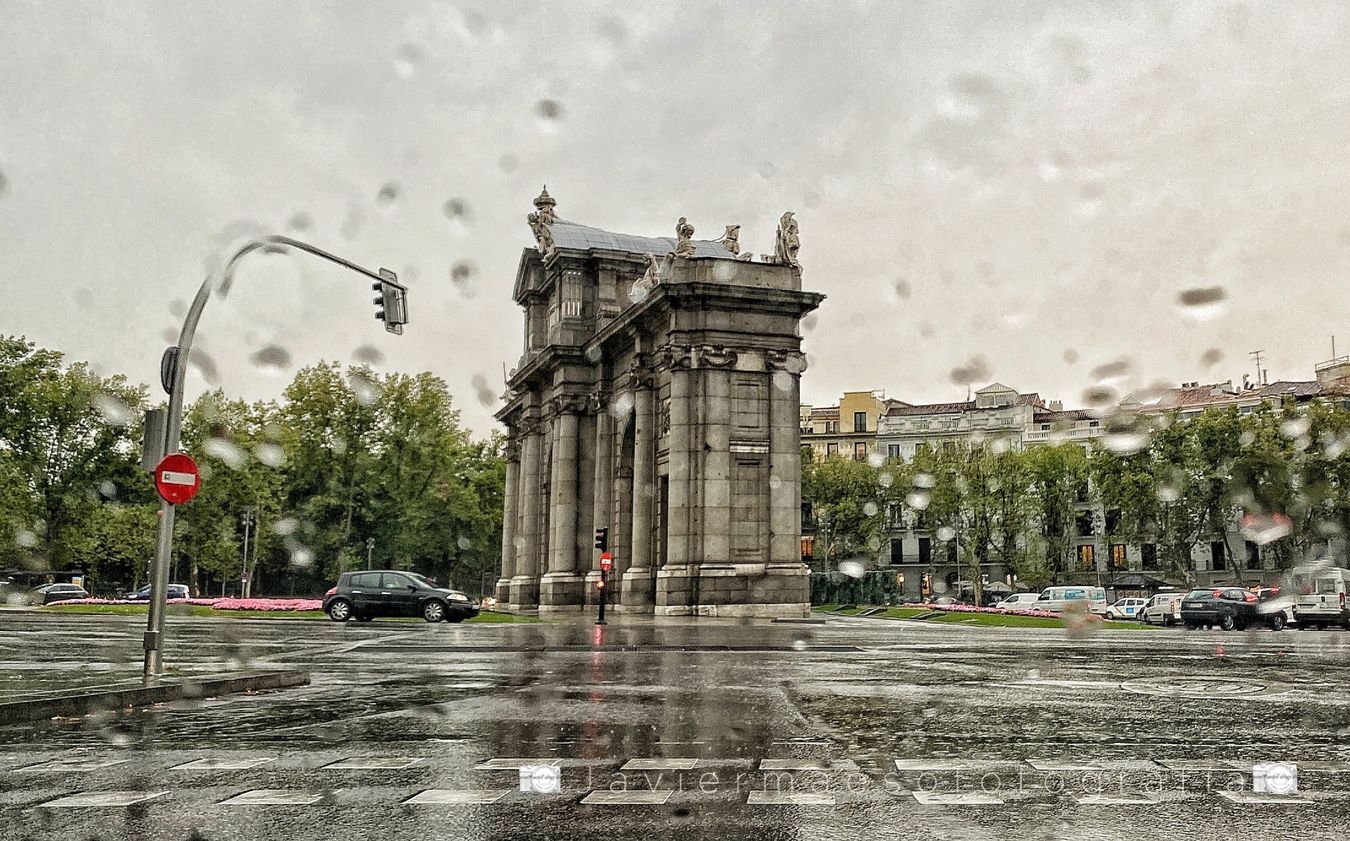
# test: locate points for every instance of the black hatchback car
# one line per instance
(1228, 608)
(49, 593)
(365, 595)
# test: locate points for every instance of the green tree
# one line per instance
(843, 496)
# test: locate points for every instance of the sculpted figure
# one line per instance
(684, 234)
(785, 248)
(731, 240)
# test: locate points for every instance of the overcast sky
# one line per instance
(1017, 190)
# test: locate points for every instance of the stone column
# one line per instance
(676, 581)
(638, 584)
(602, 487)
(560, 587)
(510, 515)
(525, 582)
(787, 582)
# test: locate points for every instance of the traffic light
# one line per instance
(391, 305)
(602, 539)
(606, 561)
(599, 583)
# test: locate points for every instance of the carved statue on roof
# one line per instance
(649, 279)
(684, 235)
(540, 221)
(787, 243)
(545, 204)
(731, 240)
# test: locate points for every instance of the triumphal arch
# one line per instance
(657, 397)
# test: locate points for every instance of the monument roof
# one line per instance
(584, 238)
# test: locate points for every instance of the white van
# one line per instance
(1322, 597)
(1060, 599)
(1020, 601)
(1162, 609)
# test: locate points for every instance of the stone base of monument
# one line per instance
(560, 593)
(502, 592)
(742, 590)
(524, 594)
(638, 592)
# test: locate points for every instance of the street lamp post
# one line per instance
(173, 373)
(244, 588)
(370, 551)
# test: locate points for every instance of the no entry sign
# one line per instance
(177, 479)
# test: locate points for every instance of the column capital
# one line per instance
(716, 356)
(674, 356)
(792, 361)
(567, 404)
(597, 399)
(640, 373)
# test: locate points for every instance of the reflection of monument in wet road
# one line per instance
(657, 397)
(857, 728)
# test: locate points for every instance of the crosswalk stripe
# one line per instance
(443, 796)
(626, 798)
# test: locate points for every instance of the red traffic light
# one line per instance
(606, 561)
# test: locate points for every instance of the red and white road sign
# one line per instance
(177, 479)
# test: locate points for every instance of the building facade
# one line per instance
(848, 428)
(655, 399)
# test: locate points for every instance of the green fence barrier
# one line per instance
(836, 588)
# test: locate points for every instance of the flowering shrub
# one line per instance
(218, 603)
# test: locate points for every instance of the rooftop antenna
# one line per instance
(1256, 355)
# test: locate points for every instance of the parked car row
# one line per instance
(374, 593)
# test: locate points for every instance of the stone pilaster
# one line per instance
(677, 580)
(787, 582)
(638, 583)
(525, 582)
(510, 517)
(560, 587)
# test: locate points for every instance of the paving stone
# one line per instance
(373, 763)
(789, 798)
(103, 799)
(274, 797)
(659, 765)
(213, 764)
(626, 798)
(957, 798)
(445, 796)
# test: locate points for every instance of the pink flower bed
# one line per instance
(970, 608)
(218, 603)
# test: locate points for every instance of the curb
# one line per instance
(170, 689)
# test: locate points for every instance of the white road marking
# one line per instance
(1262, 799)
(103, 799)
(514, 763)
(72, 765)
(212, 764)
(940, 764)
(807, 765)
(1204, 765)
(1098, 765)
(789, 798)
(626, 798)
(659, 765)
(957, 798)
(1116, 800)
(373, 763)
(274, 797)
(440, 796)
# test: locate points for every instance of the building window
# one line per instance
(1216, 555)
(859, 421)
(921, 448)
(808, 548)
(808, 516)
(948, 446)
(832, 449)
(1085, 524)
(1092, 424)
(1118, 556)
(1149, 554)
(1087, 557)
(860, 451)
(1253, 555)
(892, 451)
(925, 550)
(897, 551)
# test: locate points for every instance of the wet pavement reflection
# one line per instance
(707, 728)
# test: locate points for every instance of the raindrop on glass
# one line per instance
(269, 454)
(368, 355)
(271, 359)
(302, 557)
(1125, 443)
(1070, 355)
(363, 386)
(464, 543)
(388, 193)
(1265, 528)
(1203, 302)
(875, 459)
(285, 526)
(946, 533)
(114, 411)
(1211, 357)
(107, 489)
(178, 308)
(1168, 493)
(227, 451)
(782, 381)
(1294, 428)
(766, 169)
(406, 61)
(622, 406)
(870, 509)
(508, 163)
(924, 480)
(204, 365)
(885, 479)
(484, 392)
(918, 500)
(25, 538)
(853, 569)
(548, 109)
(300, 222)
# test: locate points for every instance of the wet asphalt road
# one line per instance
(716, 729)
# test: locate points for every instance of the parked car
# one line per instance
(1127, 608)
(1228, 608)
(1060, 599)
(1019, 601)
(1271, 600)
(1162, 609)
(367, 595)
(1322, 598)
(176, 591)
(49, 593)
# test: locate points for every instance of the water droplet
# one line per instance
(853, 569)
(114, 411)
(918, 500)
(464, 543)
(976, 369)
(795, 364)
(300, 222)
(902, 289)
(272, 359)
(766, 169)
(1203, 302)
(302, 557)
(1070, 355)
(508, 163)
(178, 308)
(460, 275)
(800, 644)
(368, 355)
(364, 386)
(1295, 427)
(946, 533)
(4, 184)
(388, 193)
(205, 366)
(775, 482)
(1169, 493)
(548, 109)
(885, 479)
(1111, 370)
(1126, 442)
(107, 489)
(622, 406)
(870, 509)
(924, 480)
(285, 526)
(406, 61)
(1265, 528)
(1211, 357)
(269, 454)
(875, 459)
(485, 395)
(25, 538)
(227, 451)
